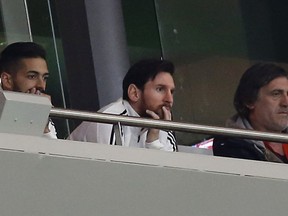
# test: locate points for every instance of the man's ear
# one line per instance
(133, 93)
(6, 81)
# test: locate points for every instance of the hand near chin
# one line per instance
(38, 92)
(165, 114)
(153, 134)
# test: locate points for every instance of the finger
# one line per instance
(152, 114)
(32, 91)
(167, 113)
(28, 91)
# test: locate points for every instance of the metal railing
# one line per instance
(167, 125)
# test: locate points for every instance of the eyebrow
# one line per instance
(37, 72)
(163, 85)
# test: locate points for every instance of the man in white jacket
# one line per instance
(148, 90)
(23, 68)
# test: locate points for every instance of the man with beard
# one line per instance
(261, 101)
(148, 90)
(24, 69)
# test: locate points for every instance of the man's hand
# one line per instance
(38, 92)
(153, 134)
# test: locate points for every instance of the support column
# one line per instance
(109, 47)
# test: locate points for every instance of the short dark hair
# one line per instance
(143, 71)
(250, 83)
(15, 52)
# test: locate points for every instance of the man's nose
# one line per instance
(284, 101)
(41, 84)
(169, 97)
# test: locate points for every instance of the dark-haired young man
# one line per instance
(261, 101)
(148, 90)
(24, 69)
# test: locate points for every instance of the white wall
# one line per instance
(58, 177)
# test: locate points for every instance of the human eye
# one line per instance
(31, 76)
(276, 93)
(159, 89)
(45, 77)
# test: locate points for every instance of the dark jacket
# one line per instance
(238, 148)
(243, 148)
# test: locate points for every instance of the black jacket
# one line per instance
(238, 148)
(244, 149)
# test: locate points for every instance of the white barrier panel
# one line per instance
(58, 177)
(22, 113)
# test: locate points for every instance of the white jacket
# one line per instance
(130, 136)
(52, 134)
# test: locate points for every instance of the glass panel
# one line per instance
(13, 28)
(2, 31)
(34, 23)
(141, 29)
(212, 43)
(44, 30)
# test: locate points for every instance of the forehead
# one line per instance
(33, 64)
(162, 78)
(277, 83)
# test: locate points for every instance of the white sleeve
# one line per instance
(93, 132)
(165, 142)
(156, 144)
(52, 134)
(80, 133)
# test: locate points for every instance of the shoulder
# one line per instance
(116, 107)
(52, 134)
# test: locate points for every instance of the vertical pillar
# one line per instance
(109, 47)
